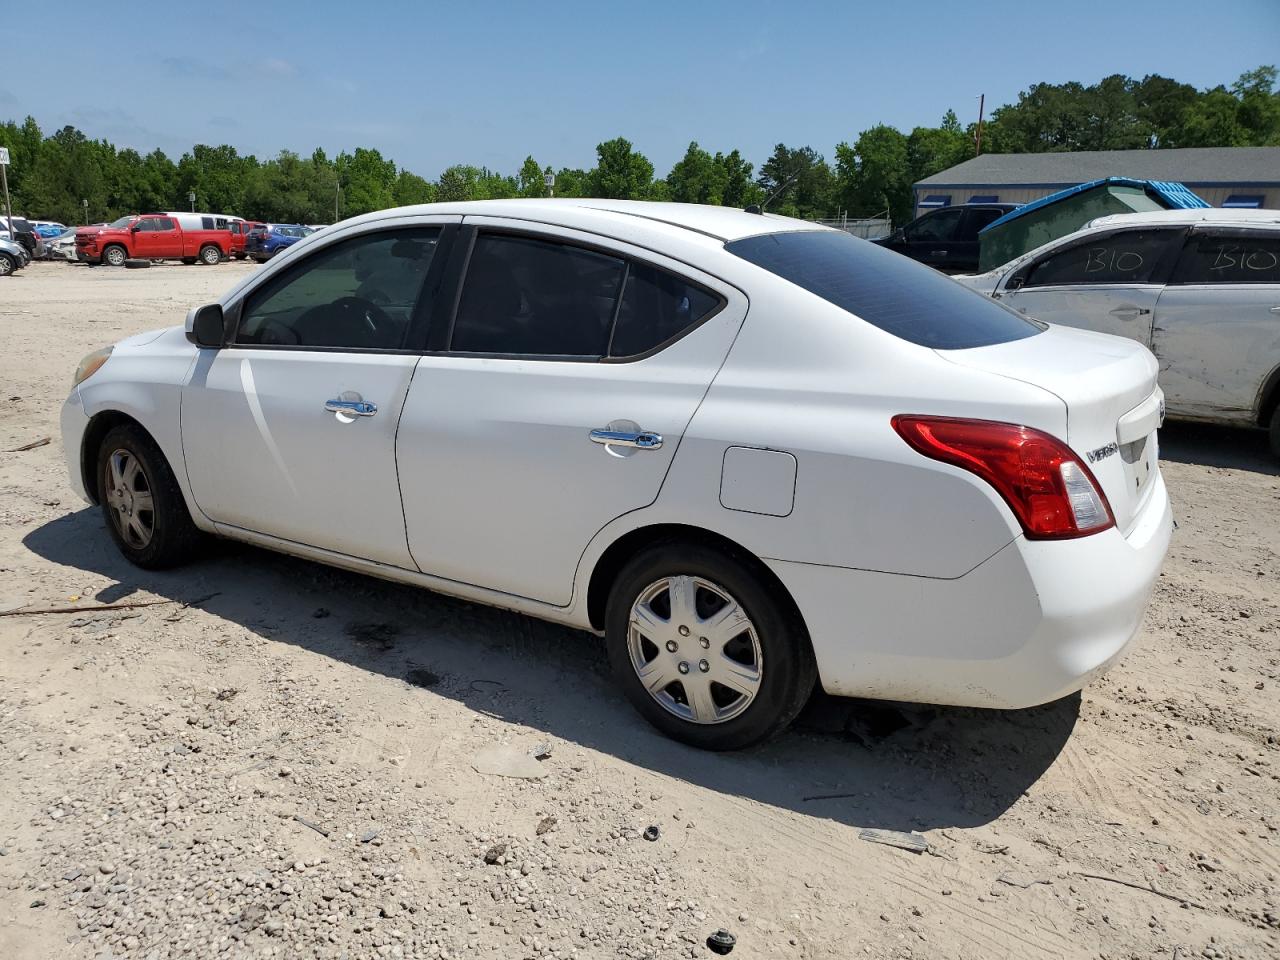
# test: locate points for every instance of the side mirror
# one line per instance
(206, 326)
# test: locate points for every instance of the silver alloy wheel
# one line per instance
(695, 649)
(211, 255)
(130, 500)
(115, 256)
(6, 265)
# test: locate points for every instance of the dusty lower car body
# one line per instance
(755, 456)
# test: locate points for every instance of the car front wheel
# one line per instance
(705, 648)
(7, 265)
(141, 501)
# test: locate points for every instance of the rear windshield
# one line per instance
(886, 289)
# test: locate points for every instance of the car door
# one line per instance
(1217, 323)
(289, 430)
(165, 239)
(931, 239)
(1109, 282)
(145, 232)
(552, 402)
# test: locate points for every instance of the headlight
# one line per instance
(90, 364)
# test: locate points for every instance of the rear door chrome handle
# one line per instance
(1130, 312)
(643, 440)
(1275, 309)
(355, 408)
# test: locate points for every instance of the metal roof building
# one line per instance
(1224, 176)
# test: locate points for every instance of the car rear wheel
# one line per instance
(115, 256)
(141, 501)
(211, 255)
(7, 265)
(705, 648)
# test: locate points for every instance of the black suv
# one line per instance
(946, 238)
(24, 234)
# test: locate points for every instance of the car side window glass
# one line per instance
(1128, 257)
(535, 297)
(975, 220)
(937, 226)
(163, 223)
(358, 294)
(656, 307)
(1247, 256)
(146, 224)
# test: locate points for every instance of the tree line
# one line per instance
(68, 177)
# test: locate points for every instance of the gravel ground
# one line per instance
(264, 757)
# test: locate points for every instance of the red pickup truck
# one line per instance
(155, 236)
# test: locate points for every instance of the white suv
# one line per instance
(1200, 288)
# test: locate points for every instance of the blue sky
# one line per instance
(431, 84)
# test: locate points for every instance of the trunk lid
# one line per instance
(1114, 406)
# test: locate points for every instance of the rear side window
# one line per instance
(357, 295)
(1246, 256)
(531, 297)
(975, 220)
(1133, 256)
(886, 289)
(656, 307)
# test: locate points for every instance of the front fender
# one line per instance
(145, 382)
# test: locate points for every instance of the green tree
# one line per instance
(620, 173)
(697, 178)
(797, 183)
(532, 179)
(874, 174)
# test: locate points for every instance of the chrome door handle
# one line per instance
(643, 440)
(1275, 309)
(356, 408)
(1130, 312)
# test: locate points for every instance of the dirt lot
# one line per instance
(276, 759)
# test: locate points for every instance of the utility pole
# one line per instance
(550, 180)
(337, 195)
(982, 101)
(4, 178)
(191, 195)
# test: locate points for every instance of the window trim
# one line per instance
(1159, 273)
(442, 344)
(1222, 232)
(419, 317)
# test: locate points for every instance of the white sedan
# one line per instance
(753, 454)
(1200, 288)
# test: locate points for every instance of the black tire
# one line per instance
(787, 669)
(210, 255)
(136, 264)
(115, 255)
(173, 539)
(8, 265)
(1273, 431)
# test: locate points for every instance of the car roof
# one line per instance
(720, 223)
(1187, 217)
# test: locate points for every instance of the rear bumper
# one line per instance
(1033, 623)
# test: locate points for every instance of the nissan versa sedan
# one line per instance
(754, 454)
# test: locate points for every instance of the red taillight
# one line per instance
(1049, 489)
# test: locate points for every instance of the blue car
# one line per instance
(48, 229)
(266, 241)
